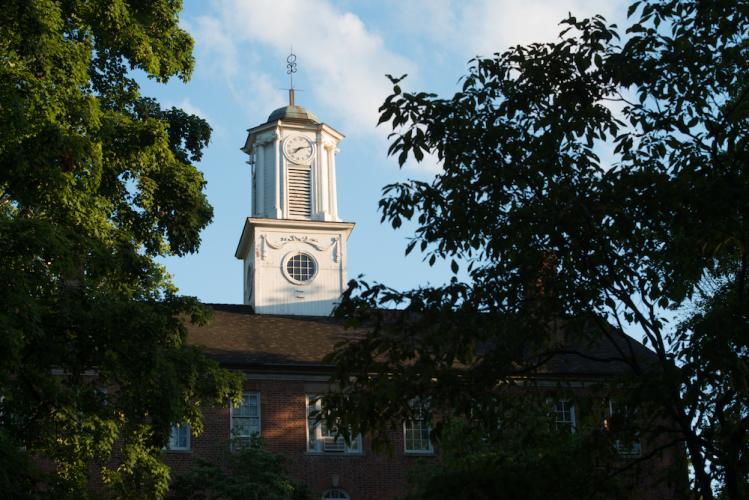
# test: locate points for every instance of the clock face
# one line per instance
(298, 149)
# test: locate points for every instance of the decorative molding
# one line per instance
(260, 250)
(336, 244)
(284, 240)
(264, 139)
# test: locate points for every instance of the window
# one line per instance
(564, 416)
(628, 450)
(335, 494)
(179, 439)
(619, 418)
(300, 267)
(416, 432)
(245, 419)
(323, 439)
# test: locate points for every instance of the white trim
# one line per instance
(634, 450)
(175, 428)
(428, 451)
(572, 409)
(232, 435)
(259, 193)
(338, 446)
(285, 271)
(305, 225)
(345, 496)
(423, 423)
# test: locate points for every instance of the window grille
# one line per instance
(621, 418)
(564, 416)
(179, 439)
(321, 438)
(300, 187)
(245, 419)
(335, 494)
(416, 431)
(301, 267)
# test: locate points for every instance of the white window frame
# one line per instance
(321, 442)
(634, 449)
(287, 274)
(422, 425)
(173, 444)
(568, 423)
(340, 494)
(234, 436)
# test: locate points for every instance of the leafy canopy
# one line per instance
(95, 182)
(589, 186)
(249, 473)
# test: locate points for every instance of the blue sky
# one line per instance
(344, 49)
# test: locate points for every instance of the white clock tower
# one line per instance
(294, 245)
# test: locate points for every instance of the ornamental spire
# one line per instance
(290, 70)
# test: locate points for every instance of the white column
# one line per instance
(253, 188)
(279, 201)
(330, 149)
(260, 179)
(315, 212)
(323, 189)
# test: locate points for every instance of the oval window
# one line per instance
(300, 267)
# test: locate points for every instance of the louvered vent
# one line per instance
(299, 192)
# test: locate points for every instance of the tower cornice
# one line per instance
(277, 125)
(257, 222)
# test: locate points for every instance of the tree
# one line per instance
(248, 473)
(595, 182)
(518, 461)
(95, 182)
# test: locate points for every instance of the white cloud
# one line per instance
(187, 106)
(342, 62)
(493, 25)
(213, 42)
(468, 28)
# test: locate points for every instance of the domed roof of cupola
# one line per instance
(293, 113)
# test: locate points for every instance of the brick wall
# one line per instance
(283, 428)
(369, 475)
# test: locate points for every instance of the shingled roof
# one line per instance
(238, 337)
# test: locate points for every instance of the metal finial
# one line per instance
(291, 67)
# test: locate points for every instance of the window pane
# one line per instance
(179, 439)
(301, 267)
(416, 436)
(564, 416)
(245, 418)
(321, 437)
(335, 494)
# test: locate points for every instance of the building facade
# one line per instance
(294, 251)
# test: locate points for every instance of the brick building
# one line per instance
(293, 247)
(281, 357)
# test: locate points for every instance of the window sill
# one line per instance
(334, 453)
(424, 453)
(179, 452)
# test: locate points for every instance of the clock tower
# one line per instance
(293, 245)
